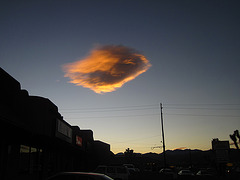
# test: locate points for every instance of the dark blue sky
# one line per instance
(193, 47)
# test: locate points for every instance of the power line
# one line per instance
(192, 104)
(154, 147)
(220, 109)
(210, 115)
(151, 106)
(145, 108)
(117, 116)
(109, 108)
(114, 110)
(141, 115)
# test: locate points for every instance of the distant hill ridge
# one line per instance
(179, 157)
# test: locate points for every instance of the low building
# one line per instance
(35, 140)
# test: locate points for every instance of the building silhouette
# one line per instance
(36, 141)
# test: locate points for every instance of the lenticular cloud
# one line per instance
(107, 68)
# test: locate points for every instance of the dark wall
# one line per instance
(31, 122)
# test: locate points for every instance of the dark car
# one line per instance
(79, 176)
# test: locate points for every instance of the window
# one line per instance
(30, 159)
(24, 158)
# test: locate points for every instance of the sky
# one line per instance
(192, 49)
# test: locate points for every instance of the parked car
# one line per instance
(204, 173)
(166, 172)
(129, 165)
(185, 174)
(115, 172)
(132, 169)
(79, 176)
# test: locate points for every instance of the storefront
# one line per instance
(35, 140)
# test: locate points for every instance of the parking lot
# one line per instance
(157, 176)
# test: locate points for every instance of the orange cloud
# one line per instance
(181, 148)
(106, 68)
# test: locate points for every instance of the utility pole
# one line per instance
(163, 140)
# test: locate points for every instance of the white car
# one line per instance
(166, 171)
(185, 174)
(79, 176)
(131, 168)
(115, 172)
(204, 173)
